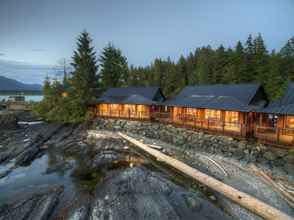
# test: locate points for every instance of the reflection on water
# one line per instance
(27, 179)
(54, 168)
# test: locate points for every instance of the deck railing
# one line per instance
(210, 125)
(140, 115)
(280, 136)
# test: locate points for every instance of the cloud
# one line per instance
(2, 54)
(39, 50)
(28, 73)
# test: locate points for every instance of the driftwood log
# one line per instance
(243, 199)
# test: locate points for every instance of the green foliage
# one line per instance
(84, 78)
(245, 63)
(114, 67)
(79, 88)
(248, 63)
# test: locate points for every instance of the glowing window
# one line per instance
(212, 114)
(232, 117)
(290, 122)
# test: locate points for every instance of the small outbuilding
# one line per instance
(129, 102)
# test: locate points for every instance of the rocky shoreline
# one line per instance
(277, 161)
(52, 171)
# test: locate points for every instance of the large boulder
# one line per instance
(8, 120)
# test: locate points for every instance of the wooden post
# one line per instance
(243, 199)
(278, 134)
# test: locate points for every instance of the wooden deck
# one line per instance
(209, 126)
(281, 137)
(278, 137)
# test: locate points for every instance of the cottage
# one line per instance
(226, 109)
(129, 102)
(275, 124)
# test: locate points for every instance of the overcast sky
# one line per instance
(38, 33)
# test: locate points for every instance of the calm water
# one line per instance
(28, 98)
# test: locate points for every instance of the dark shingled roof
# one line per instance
(132, 95)
(236, 97)
(285, 105)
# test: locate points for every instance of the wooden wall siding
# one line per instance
(280, 132)
(124, 111)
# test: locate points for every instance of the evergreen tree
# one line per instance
(288, 50)
(239, 66)
(114, 67)
(204, 69)
(47, 91)
(287, 54)
(260, 60)
(220, 62)
(275, 80)
(248, 75)
(183, 71)
(85, 67)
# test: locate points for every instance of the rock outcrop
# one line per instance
(137, 193)
(37, 206)
(8, 120)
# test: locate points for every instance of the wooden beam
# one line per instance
(245, 200)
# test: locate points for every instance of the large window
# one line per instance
(232, 117)
(131, 108)
(212, 114)
(191, 111)
(290, 122)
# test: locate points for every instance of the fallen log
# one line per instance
(249, 202)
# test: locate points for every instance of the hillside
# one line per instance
(7, 84)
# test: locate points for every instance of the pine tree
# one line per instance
(183, 71)
(275, 80)
(47, 91)
(204, 69)
(287, 53)
(114, 67)
(260, 60)
(220, 62)
(84, 78)
(248, 75)
(239, 66)
(288, 50)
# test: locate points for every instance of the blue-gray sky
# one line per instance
(36, 34)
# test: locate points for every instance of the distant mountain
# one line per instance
(7, 84)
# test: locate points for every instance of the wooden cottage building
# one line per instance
(275, 123)
(226, 109)
(129, 102)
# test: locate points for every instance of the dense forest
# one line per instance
(250, 62)
(245, 63)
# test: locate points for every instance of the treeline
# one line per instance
(68, 100)
(245, 63)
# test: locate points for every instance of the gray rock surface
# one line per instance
(35, 207)
(137, 193)
(8, 120)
